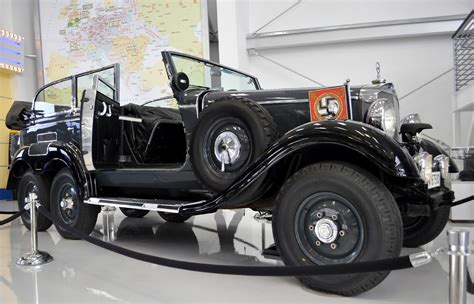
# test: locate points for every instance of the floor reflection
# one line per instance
(188, 240)
(84, 273)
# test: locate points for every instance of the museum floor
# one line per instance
(83, 273)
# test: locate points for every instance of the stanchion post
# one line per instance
(458, 242)
(35, 257)
(108, 223)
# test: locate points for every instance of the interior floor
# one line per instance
(84, 273)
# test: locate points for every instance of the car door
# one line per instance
(100, 126)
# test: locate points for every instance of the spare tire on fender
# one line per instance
(230, 135)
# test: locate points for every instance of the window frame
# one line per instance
(74, 105)
(171, 67)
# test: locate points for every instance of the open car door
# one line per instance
(100, 126)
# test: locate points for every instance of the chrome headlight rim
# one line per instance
(383, 115)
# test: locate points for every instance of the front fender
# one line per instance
(44, 157)
(372, 143)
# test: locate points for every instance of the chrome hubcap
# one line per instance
(227, 148)
(326, 230)
(67, 203)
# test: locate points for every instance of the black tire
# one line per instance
(346, 196)
(135, 213)
(80, 216)
(223, 126)
(421, 230)
(174, 217)
(31, 182)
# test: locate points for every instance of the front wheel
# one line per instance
(334, 213)
(67, 205)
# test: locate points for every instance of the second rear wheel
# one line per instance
(67, 205)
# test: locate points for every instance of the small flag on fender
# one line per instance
(329, 104)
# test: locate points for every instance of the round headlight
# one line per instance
(383, 115)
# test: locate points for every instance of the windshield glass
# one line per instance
(205, 74)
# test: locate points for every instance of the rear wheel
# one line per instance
(174, 217)
(333, 213)
(68, 207)
(135, 213)
(421, 230)
(31, 183)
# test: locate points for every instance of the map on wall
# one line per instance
(81, 35)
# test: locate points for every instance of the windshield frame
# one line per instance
(171, 68)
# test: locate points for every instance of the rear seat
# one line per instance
(140, 134)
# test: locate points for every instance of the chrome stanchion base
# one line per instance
(34, 259)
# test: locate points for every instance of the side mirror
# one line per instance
(180, 81)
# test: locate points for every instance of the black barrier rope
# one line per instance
(361, 267)
(12, 218)
(8, 212)
(462, 201)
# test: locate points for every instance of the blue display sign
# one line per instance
(12, 48)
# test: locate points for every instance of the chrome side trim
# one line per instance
(349, 101)
(269, 102)
(38, 154)
(53, 114)
(128, 118)
(152, 205)
(58, 121)
(87, 116)
(47, 137)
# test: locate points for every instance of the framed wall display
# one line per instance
(80, 35)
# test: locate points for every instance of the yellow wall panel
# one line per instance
(3, 177)
(4, 133)
(3, 155)
(6, 83)
(5, 103)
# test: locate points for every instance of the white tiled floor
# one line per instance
(83, 273)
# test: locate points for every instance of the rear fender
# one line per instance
(47, 157)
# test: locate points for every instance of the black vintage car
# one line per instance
(346, 180)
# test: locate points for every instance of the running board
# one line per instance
(168, 206)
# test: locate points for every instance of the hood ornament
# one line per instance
(379, 79)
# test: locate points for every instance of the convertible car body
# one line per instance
(345, 177)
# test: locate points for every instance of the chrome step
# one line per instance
(169, 206)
